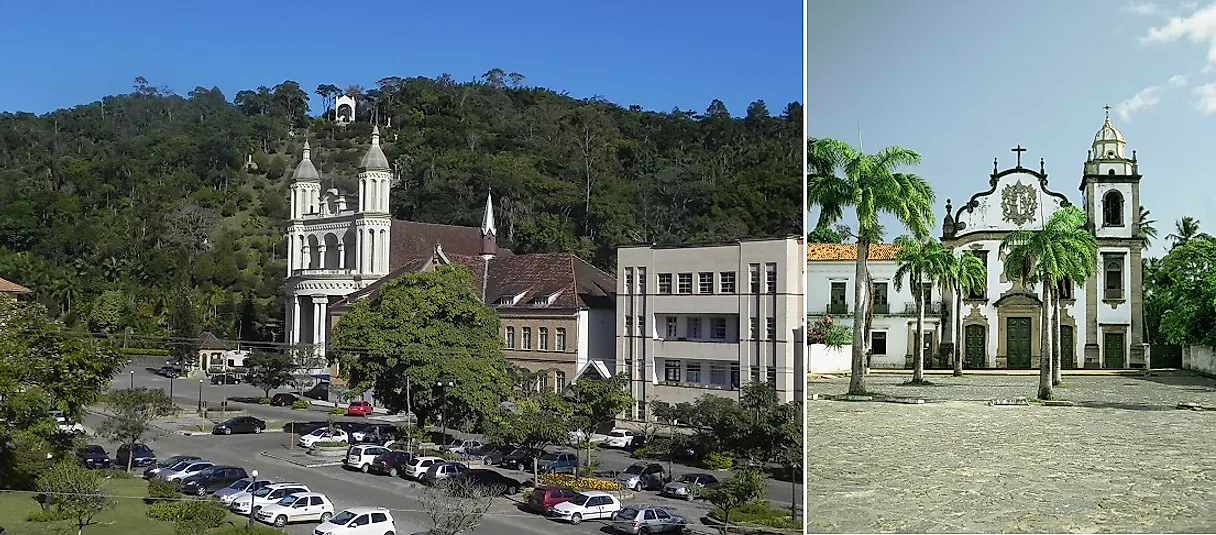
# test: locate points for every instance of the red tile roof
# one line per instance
(10, 287)
(847, 251)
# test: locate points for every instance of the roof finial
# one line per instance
(307, 150)
(994, 171)
(375, 136)
(487, 225)
(1107, 108)
(1042, 167)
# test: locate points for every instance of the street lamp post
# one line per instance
(171, 378)
(671, 438)
(132, 379)
(249, 525)
(200, 395)
(443, 404)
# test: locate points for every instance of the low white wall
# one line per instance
(824, 359)
(1199, 358)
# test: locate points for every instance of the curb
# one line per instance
(298, 463)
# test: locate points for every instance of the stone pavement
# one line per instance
(1123, 459)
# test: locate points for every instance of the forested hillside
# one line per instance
(154, 213)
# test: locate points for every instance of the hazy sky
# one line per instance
(963, 81)
(658, 55)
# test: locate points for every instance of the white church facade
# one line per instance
(1101, 325)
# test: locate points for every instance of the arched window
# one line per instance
(1112, 209)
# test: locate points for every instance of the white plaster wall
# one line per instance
(1199, 358)
(1122, 313)
(821, 274)
(1129, 211)
(988, 216)
(897, 329)
(824, 359)
(598, 330)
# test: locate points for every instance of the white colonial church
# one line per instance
(1102, 322)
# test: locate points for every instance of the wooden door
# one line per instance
(1017, 343)
(1068, 348)
(974, 336)
(1114, 350)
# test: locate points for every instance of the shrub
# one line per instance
(580, 483)
(264, 401)
(337, 410)
(758, 513)
(645, 453)
(299, 404)
(205, 513)
(258, 529)
(118, 472)
(160, 490)
(50, 515)
(143, 352)
(825, 332)
(330, 444)
(718, 461)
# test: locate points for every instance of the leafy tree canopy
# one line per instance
(1181, 293)
(269, 370)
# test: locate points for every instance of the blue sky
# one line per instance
(658, 55)
(963, 81)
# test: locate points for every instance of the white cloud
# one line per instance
(1198, 27)
(1149, 97)
(1207, 98)
(1142, 8)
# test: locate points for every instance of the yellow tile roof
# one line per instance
(10, 287)
(823, 252)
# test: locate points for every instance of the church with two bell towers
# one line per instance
(1102, 323)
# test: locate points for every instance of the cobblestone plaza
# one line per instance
(1122, 459)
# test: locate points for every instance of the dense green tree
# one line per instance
(1180, 293)
(131, 414)
(1185, 230)
(921, 264)
(534, 424)
(962, 274)
(269, 370)
(425, 327)
(75, 493)
(596, 402)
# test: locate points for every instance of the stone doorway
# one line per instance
(974, 352)
(1068, 349)
(1113, 350)
(1018, 342)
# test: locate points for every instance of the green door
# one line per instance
(974, 336)
(1114, 350)
(1017, 342)
(1068, 359)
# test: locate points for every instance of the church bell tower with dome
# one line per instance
(1110, 189)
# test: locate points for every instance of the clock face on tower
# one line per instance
(1018, 203)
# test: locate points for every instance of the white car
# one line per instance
(360, 457)
(238, 488)
(184, 470)
(359, 521)
(619, 438)
(419, 466)
(265, 496)
(322, 434)
(61, 421)
(462, 446)
(587, 505)
(300, 507)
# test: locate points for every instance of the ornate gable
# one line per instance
(1016, 198)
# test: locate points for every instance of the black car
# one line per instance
(135, 455)
(283, 399)
(166, 463)
(490, 454)
(636, 443)
(375, 434)
(490, 480)
(240, 424)
(171, 372)
(225, 379)
(212, 479)
(94, 456)
(391, 463)
(519, 459)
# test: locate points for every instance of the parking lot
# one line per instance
(1122, 459)
(349, 488)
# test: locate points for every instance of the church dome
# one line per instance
(306, 170)
(1108, 132)
(1108, 142)
(375, 160)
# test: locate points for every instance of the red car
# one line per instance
(544, 497)
(359, 408)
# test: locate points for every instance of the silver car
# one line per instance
(239, 488)
(636, 519)
(689, 486)
(184, 470)
(642, 476)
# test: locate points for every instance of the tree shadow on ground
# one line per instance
(1177, 378)
(1123, 406)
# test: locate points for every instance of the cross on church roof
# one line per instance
(1107, 108)
(1019, 150)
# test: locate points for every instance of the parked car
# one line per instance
(545, 496)
(462, 446)
(490, 454)
(359, 408)
(419, 466)
(392, 463)
(225, 379)
(558, 462)
(491, 480)
(240, 487)
(171, 372)
(264, 496)
(637, 442)
(643, 476)
(184, 470)
(689, 486)
(646, 519)
(283, 399)
(519, 459)
(374, 434)
(135, 455)
(359, 521)
(167, 463)
(323, 434)
(212, 479)
(94, 456)
(239, 424)
(361, 457)
(619, 438)
(65, 425)
(302, 507)
(586, 505)
(441, 471)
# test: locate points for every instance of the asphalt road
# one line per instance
(186, 393)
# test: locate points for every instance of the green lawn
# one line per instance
(122, 519)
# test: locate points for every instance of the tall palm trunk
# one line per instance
(918, 355)
(956, 327)
(1045, 345)
(869, 324)
(1057, 356)
(857, 383)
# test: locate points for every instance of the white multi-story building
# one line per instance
(706, 319)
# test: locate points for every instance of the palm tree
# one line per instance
(872, 186)
(1060, 249)
(961, 273)
(1185, 230)
(920, 263)
(1147, 226)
